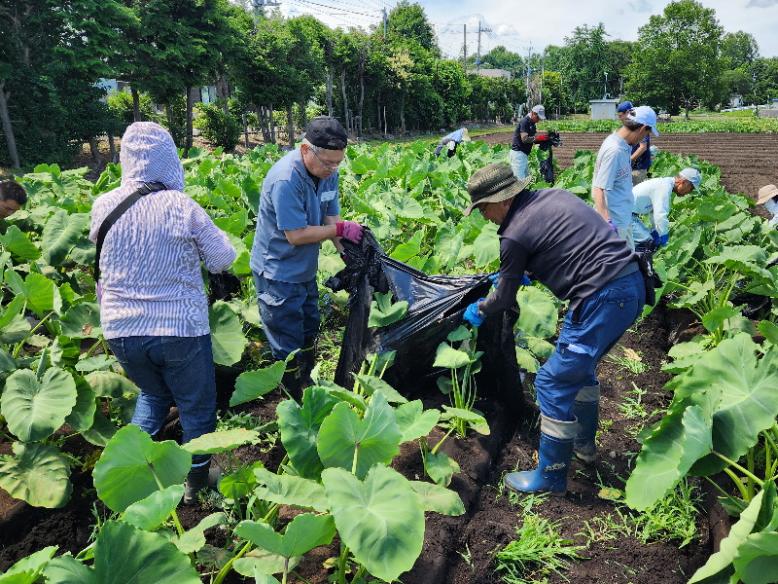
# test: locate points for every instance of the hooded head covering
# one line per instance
(148, 154)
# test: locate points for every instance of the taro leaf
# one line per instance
(526, 360)
(42, 295)
(684, 356)
(380, 519)
(540, 347)
(61, 233)
(450, 358)
(486, 247)
(299, 427)
(11, 310)
(226, 334)
(757, 558)
(304, 532)
(440, 467)
(82, 321)
(82, 416)
(374, 439)
(222, 441)
(743, 389)
(372, 384)
(409, 249)
(715, 319)
(240, 483)
(193, 540)
(151, 512)
(290, 490)
(67, 570)
(538, 313)
(769, 330)
(383, 312)
(101, 432)
(37, 474)
(20, 246)
(132, 466)
(475, 420)
(414, 421)
(258, 564)
(28, 570)
(718, 568)
(680, 439)
(122, 550)
(461, 333)
(96, 363)
(253, 384)
(438, 499)
(16, 330)
(34, 409)
(110, 384)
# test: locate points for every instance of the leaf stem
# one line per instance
(743, 470)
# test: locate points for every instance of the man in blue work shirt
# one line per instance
(654, 198)
(298, 210)
(524, 137)
(612, 182)
(451, 141)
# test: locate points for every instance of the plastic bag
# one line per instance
(435, 308)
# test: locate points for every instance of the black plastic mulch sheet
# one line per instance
(435, 308)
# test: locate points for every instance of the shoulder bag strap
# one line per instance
(114, 215)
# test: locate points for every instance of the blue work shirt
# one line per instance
(290, 200)
(642, 162)
(455, 136)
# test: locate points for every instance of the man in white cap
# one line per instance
(612, 183)
(524, 137)
(654, 198)
(768, 197)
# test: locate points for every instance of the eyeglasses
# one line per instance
(332, 165)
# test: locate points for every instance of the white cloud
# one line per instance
(640, 5)
(761, 3)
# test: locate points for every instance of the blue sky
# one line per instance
(517, 24)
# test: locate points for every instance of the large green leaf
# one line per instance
(132, 466)
(82, 416)
(20, 246)
(37, 474)
(28, 570)
(681, 438)
(438, 499)
(486, 247)
(372, 384)
(42, 295)
(221, 441)
(374, 439)
(68, 570)
(440, 467)
(380, 519)
(193, 540)
(61, 233)
(299, 427)
(538, 313)
(290, 490)
(226, 334)
(110, 384)
(450, 358)
(757, 558)
(253, 384)
(414, 421)
(384, 312)
(151, 512)
(82, 321)
(34, 408)
(304, 532)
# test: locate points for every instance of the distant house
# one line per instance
(603, 109)
(494, 73)
(735, 100)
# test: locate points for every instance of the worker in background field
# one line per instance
(451, 141)
(524, 137)
(654, 198)
(153, 308)
(612, 182)
(641, 152)
(299, 209)
(12, 198)
(768, 197)
(567, 247)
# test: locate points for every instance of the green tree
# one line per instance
(584, 64)
(678, 65)
(452, 84)
(738, 49)
(764, 72)
(408, 22)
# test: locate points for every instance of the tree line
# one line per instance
(278, 71)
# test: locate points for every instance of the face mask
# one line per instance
(772, 206)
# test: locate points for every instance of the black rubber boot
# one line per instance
(199, 478)
(307, 360)
(292, 379)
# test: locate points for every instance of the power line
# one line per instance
(330, 7)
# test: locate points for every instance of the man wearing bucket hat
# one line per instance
(569, 248)
(768, 197)
(524, 137)
(612, 182)
(451, 141)
(654, 198)
(298, 210)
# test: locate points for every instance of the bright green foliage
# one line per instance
(222, 441)
(304, 532)
(151, 512)
(253, 384)
(226, 334)
(37, 473)
(28, 570)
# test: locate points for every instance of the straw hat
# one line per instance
(766, 193)
(493, 184)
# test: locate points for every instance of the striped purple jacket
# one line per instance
(151, 260)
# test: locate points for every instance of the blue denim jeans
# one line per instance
(171, 370)
(519, 164)
(289, 313)
(588, 333)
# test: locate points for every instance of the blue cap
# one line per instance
(624, 106)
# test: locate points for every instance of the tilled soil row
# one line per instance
(747, 161)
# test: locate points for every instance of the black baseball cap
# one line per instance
(326, 132)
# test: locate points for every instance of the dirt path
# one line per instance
(747, 161)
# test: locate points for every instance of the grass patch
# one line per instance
(629, 360)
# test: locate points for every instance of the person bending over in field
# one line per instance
(612, 182)
(641, 152)
(451, 141)
(524, 137)
(12, 198)
(566, 246)
(298, 210)
(654, 198)
(768, 197)
(153, 309)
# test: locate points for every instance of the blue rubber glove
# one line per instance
(472, 314)
(655, 238)
(526, 280)
(495, 279)
(663, 239)
(612, 226)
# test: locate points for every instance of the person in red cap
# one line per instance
(299, 209)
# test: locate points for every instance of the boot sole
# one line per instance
(520, 492)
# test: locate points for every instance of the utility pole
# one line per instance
(464, 32)
(529, 71)
(385, 19)
(478, 55)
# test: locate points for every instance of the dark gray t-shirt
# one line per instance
(562, 242)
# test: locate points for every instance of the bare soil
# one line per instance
(747, 161)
